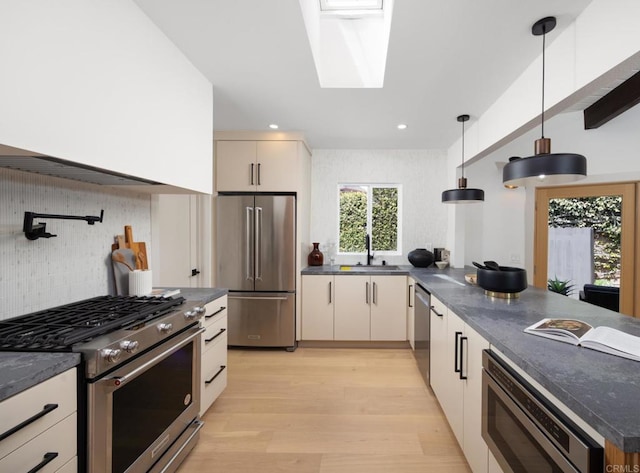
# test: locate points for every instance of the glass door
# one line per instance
(585, 245)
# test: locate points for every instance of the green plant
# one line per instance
(561, 287)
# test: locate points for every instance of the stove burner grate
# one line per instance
(59, 328)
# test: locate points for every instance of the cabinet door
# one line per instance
(474, 447)
(452, 401)
(277, 166)
(438, 370)
(388, 308)
(317, 307)
(352, 307)
(236, 167)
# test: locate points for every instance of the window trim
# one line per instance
(370, 186)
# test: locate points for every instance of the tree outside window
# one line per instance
(369, 206)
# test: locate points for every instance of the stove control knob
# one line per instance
(130, 346)
(111, 355)
(165, 328)
(190, 314)
(200, 310)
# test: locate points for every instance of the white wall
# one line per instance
(76, 264)
(96, 82)
(422, 174)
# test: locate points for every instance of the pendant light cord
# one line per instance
(462, 150)
(544, 36)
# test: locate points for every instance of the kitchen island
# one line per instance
(602, 389)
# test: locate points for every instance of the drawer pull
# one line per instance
(49, 456)
(433, 308)
(45, 410)
(209, 381)
(215, 313)
(222, 330)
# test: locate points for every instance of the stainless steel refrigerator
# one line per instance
(256, 255)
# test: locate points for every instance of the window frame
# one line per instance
(370, 186)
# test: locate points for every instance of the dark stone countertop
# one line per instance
(21, 370)
(602, 389)
(356, 270)
(200, 294)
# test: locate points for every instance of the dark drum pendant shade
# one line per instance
(544, 166)
(462, 195)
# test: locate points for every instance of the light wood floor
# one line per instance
(321, 410)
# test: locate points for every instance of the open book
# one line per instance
(576, 332)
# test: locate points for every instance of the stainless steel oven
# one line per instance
(525, 432)
(139, 410)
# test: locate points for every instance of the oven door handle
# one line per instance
(119, 381)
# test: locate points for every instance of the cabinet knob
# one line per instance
(194, 272)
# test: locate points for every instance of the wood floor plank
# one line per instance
(325, 410)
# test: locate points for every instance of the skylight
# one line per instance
(349, 40)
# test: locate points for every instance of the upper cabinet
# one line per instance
(256, 166)
(122, 99)
(259, 165)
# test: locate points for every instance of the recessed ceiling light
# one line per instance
(273, 126)
(402, 126)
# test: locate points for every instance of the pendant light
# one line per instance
(462, 195)
(543, 166)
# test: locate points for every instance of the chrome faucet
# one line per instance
(367, 244)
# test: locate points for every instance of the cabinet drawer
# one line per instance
(42, 399)
(215, 333)
(70, 467)
(214, 310)
(214, 373)
(59, 439)
(438, 306)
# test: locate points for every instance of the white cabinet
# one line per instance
(456, 371)
(354, 308)
(50, 439)
(352, 311)
(388, 308)
(317, 307)
(411, 313)
(214, 353)
(256, 166)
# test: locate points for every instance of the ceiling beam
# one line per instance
(618, 101)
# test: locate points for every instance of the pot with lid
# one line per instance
(503, 279)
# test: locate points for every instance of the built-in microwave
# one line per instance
(525, 432)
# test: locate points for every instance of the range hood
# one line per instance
(70, 170)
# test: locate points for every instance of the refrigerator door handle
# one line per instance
(258, 244)
(247, 243)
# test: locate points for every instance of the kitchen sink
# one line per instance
(363, 267)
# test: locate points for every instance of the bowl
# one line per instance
(507, 280)
(471, 278)
(442, 264)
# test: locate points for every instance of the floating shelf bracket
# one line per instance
(33, 232)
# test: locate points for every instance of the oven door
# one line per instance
(521, 444)
(136, 412)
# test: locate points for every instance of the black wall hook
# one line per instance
(33, 232)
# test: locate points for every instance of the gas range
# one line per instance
(107, 330)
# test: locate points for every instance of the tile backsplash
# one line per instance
(76, 264)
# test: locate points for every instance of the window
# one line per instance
(369, 206)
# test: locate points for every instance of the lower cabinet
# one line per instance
(456, 375)
(49, 441)
(354, 307)
(214, 353)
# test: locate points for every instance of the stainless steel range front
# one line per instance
(141, 376)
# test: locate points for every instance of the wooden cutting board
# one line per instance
(139, 248)
(119, 243)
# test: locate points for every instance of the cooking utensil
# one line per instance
(119, 257)
(124, 261)
(492, 265)
(478, 265)
(508, 280)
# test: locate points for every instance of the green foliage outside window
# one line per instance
(353, 218)
(604, 215)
